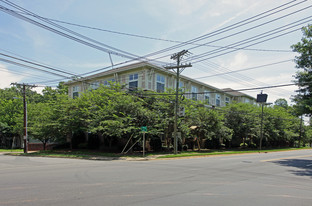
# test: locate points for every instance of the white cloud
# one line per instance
(240, 61)
(6, 77)
(229, 4)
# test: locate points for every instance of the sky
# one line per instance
(228, 36)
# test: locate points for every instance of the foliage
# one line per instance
(243, 120)
(281, 102)
(111, 115)
(304, 75)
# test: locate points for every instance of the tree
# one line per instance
(43, 124)
(304, 75)
(281, 102)
(11, 118)
(242, 119)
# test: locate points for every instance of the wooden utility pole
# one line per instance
(23, 85)
(178, 56)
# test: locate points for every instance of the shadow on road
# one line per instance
(304, 167)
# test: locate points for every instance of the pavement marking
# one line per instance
(285, 158)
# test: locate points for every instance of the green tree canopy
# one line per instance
(304, 75)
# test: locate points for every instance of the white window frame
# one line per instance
(160, 82)
(218, 100)
(207, 97)
(181, 86)
(95, 85)
(227, 100)
(194, 91)
(76, 90)
(108, 82)
(132, 79)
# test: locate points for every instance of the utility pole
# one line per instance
(23, 85)
(178, 56)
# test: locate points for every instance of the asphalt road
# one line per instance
(282, 178)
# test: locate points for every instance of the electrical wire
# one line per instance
(226, 29)
(246, 69)
(223, 91)
(95, 44)
(257, 37)
(32, 67)
(160, 39)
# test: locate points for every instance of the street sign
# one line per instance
(144, 129)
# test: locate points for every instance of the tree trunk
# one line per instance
(198, 143)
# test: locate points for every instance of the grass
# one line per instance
(224, 152)
(11, 150)
(79, 154)
(86, 154)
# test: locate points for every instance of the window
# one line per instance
(75, 91)
(218, 100)
(181, 86)
(133, 81)
(160, 83)
(95, 85)
(207, 97)
(194, 93)
(108, 82)
(227, 100)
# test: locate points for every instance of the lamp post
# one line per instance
(261, 98)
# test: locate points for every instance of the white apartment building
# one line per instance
(147, 76)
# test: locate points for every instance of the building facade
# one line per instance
(147, 76)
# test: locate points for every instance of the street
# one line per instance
(279, 178)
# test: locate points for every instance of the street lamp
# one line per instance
(25, 123)
(262, 98)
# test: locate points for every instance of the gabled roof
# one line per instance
(138, 65)
(236, 93)
(162, 69)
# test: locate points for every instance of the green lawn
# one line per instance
(11, 150)
(224, 152)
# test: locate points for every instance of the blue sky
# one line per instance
(177, 20)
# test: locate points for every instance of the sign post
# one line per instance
(144, 129)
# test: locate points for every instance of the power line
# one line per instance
(31, 67)
(236, 25)
(223, 91)
(248, 80)
(254, 38)
(246, 69)
(160, 39)
(36, 64)
(95, 44)
(35, 61)
(25, 74)
(228, 28)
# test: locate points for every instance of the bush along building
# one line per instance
(149, 77)
(145, 77)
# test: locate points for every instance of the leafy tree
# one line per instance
(113, 113)
(209, 126)
(43, 124)
(243, 119)
(280, 127)
(304, 75)
(11, 117)
(281, 102)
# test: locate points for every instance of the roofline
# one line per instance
(142, 64)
